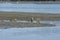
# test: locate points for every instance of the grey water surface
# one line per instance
(39, 8)
(34, 33)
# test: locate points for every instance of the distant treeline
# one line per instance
(32, 0)
(29, 0)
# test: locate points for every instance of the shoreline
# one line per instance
(27, 16)
(23, 25)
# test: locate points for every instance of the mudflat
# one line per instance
(27, 16)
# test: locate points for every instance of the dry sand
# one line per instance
(28, 16)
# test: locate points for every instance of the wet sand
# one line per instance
(22, 25)
(27, 16)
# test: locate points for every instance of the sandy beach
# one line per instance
(27, 16)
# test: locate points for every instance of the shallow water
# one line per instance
(34, 33)
(44, 8)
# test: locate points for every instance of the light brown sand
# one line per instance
(27, 16)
